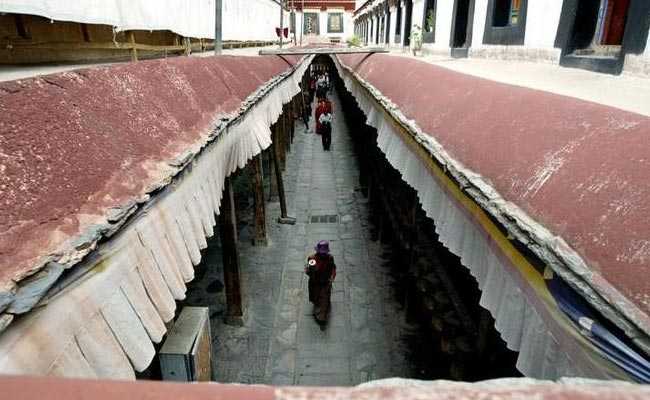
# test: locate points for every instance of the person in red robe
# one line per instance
(323, 106)
(320, 108)
(321, 271)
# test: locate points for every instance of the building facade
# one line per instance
(321, 21)
(608, 36)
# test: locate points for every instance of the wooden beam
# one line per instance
(91, 46)
(260, 205)
(322, 50)
(230, 253)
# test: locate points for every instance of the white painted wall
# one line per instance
(418, 13)
(393, 24)
(251, 19)
(323, 24)
(444, 18)
(542, 21)
(478, 28)
(638, 64)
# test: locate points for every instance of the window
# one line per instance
(292, 22)
(506, 12)
(310, 26)
(335, 22)
(429, 23)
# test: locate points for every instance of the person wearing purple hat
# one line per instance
(321, 271)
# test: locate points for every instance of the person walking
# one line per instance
(321, 87)
(322, 272)
(320, 109)
(325, 122)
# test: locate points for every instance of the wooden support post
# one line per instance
(292, 117)
(485, 325)
(273, 182)
(286, 130)
(277, 146)
(187, 43)
(228, 232)
(280, 152)
(260, 205)
(134, 51)
(85, 33)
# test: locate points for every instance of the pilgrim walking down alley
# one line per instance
(321, 271)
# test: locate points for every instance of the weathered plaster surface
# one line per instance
(535, 156)
(78, 145)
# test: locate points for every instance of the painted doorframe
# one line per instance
(505, 35)
(635, 37)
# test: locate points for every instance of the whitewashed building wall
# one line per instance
(324, 34)
(251, 19)
(541, 28)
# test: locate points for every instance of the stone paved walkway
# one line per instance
(366, 337)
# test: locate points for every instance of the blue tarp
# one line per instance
(607, 340)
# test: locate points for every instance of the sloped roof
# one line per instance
(498, 389)
(578, 169)
(76, 144)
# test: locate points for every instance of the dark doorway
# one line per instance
(461, 16)
(429, 22)
(387, 41)
(377, 30)
(407, 23)
(461, 30)
(398, 23)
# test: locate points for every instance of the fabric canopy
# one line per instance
(242, 19)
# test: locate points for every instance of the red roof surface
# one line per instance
(23, 388)
(579, 168)
(76, 143)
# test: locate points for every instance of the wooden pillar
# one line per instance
(485, 325)
(279, 151)
(287, 129)
(277, 148)
(292, 118)
(260, 205)
(187, 44)
(85, 33)
(134, 50)
(228, 232)
(273, 182)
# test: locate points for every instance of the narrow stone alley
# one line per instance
(367, 336)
